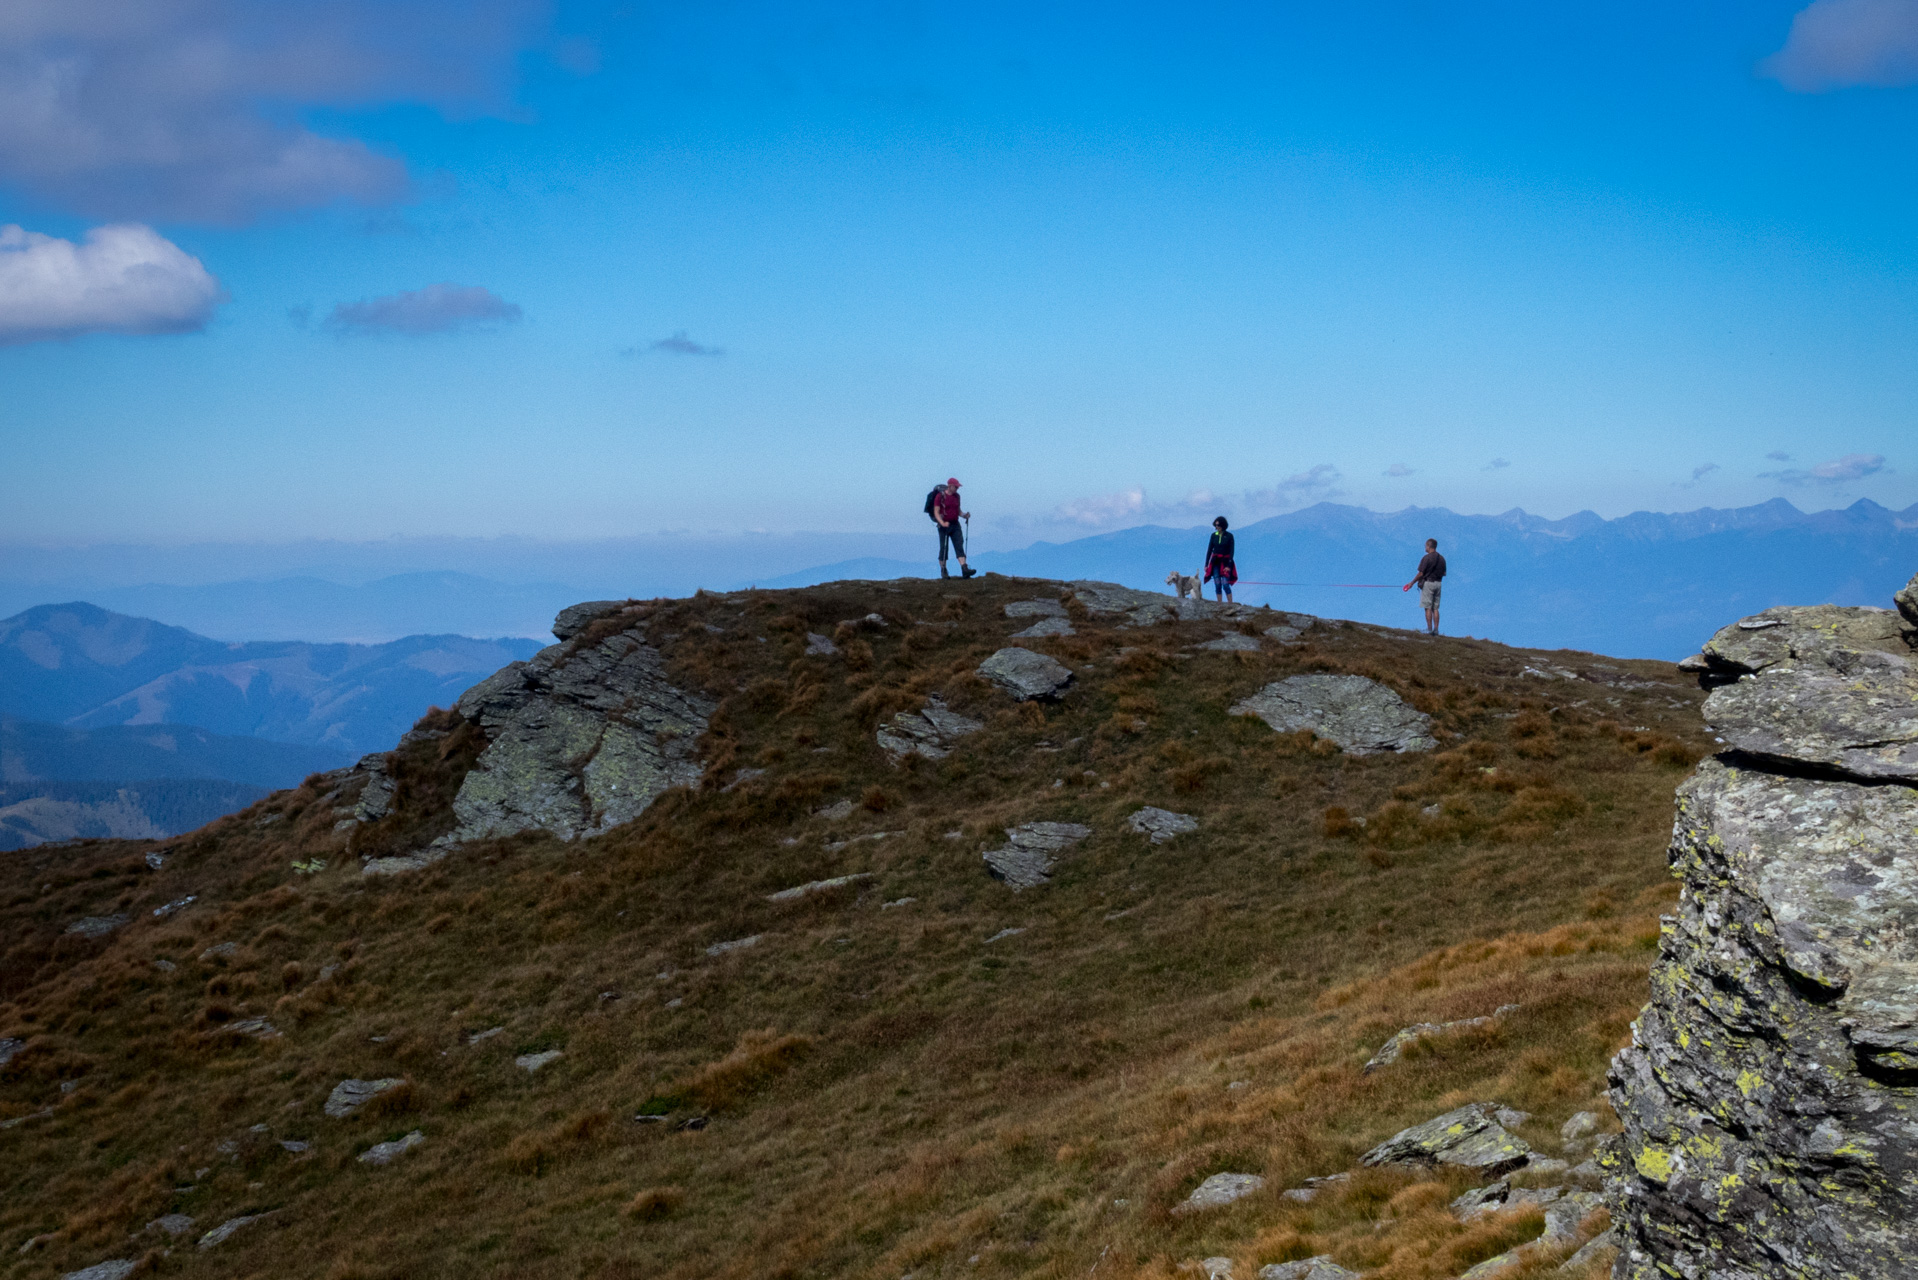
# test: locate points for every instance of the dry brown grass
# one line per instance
(925, 1097)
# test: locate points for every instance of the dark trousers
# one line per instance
(953, 534)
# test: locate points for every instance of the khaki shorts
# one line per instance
(1429, 594)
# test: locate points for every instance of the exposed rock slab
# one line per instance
(1035, 609)
(811, 887)
(384, 1153)
(349, 1096)
(1219, 1190)
(117, 1269)
(1031, 851)
(1232, 642)
(8, 1048)
(576, 618)
(930, 731)
(1319, 1268)
(1162, 824)
(820, 646)
(1144, 608)
(1026, 674)
(1853, 710)
(95, 927)
(1392, 1049)
(581, 741)
(533, 1062)
(1469, 1138)
(173, 1224)
(1768, 1100)
(1046, 627)
(224, 1232)
(1362, 716)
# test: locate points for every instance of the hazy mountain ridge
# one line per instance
(150, 809)
(85, 667)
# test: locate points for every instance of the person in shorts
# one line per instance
(1430, 577)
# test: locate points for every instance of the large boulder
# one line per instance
(1143, 608)
(583, 738)
(1770, 1095)
(1027, 675)
(1821, 686)
(1362, 716)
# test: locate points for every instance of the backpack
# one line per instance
(932, 498)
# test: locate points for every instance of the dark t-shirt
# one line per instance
(1432, 567)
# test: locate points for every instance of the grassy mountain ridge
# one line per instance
(920, 1071)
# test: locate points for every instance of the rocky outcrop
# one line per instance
(930, 731)
(1162, 825)
(1219, 1190)
(583, 737)
(1770, 1095)
(1144, 608)
(1027, 675)
(1031, 850)
(349, 1096)
(1391, 1050)
(1468, 1138)
(1362, 716)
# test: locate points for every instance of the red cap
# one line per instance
(953, 482)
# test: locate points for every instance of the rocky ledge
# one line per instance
(1770, 1094)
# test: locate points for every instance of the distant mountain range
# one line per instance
(1647, 585)
(83, 667)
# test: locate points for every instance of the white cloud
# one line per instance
(189, 109)
(1837, 44)
(438, 308)
(1317, 484)
(1853, 466)
(1109, 508)
(1397, 469)
(1702, 470)
(118, 279)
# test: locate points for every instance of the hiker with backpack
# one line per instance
(1220, 568)
(1430, 577)
(942, 504)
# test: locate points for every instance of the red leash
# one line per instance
(1376, 586)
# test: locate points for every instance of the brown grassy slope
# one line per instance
(884, 1088)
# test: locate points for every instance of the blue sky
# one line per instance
(420, 268)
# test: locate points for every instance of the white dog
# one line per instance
(1185, 585)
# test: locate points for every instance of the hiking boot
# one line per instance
(943, 573)
(968, 572)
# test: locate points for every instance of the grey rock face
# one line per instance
(1218, 1190)
(224, 1232)
(118, 1269)
(1232, 642)
(387, 1152)
(820, 646)
(576, 618)
(1035, 609)
(1592, 1251)
(1468, 1138)
(349, 1096)
(1855, 710)
(930, 731)
(1362, 716)
(1319, 1268)
(1582, 1125)
(1907, 601)
(811, 887)
(1392, 1049)
(8, 1048)
(1162, 824)
(532, 1062)
(1046, 627)
(581, 741)
(376, 797)
(174, 1224)
(1770, 1094)
(92, 927)
(1026, 675)
(1031, 851)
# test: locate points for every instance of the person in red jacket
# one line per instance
(946, 513)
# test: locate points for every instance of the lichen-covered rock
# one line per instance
(929, 731)
(94, 927)
(1907, 601)
(384, 1153)
(1035, 609)
(1855, 710)
(1026, 675)
(1361, 715)
(1045, 627)
(1469, 1138)
(1232, 642)
(582, 740)
(349, 1096)
(1768, 1099)
(1031, 850)
(576, 618)
(1799, 631)
(1143, 608)
(1392, 1049)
